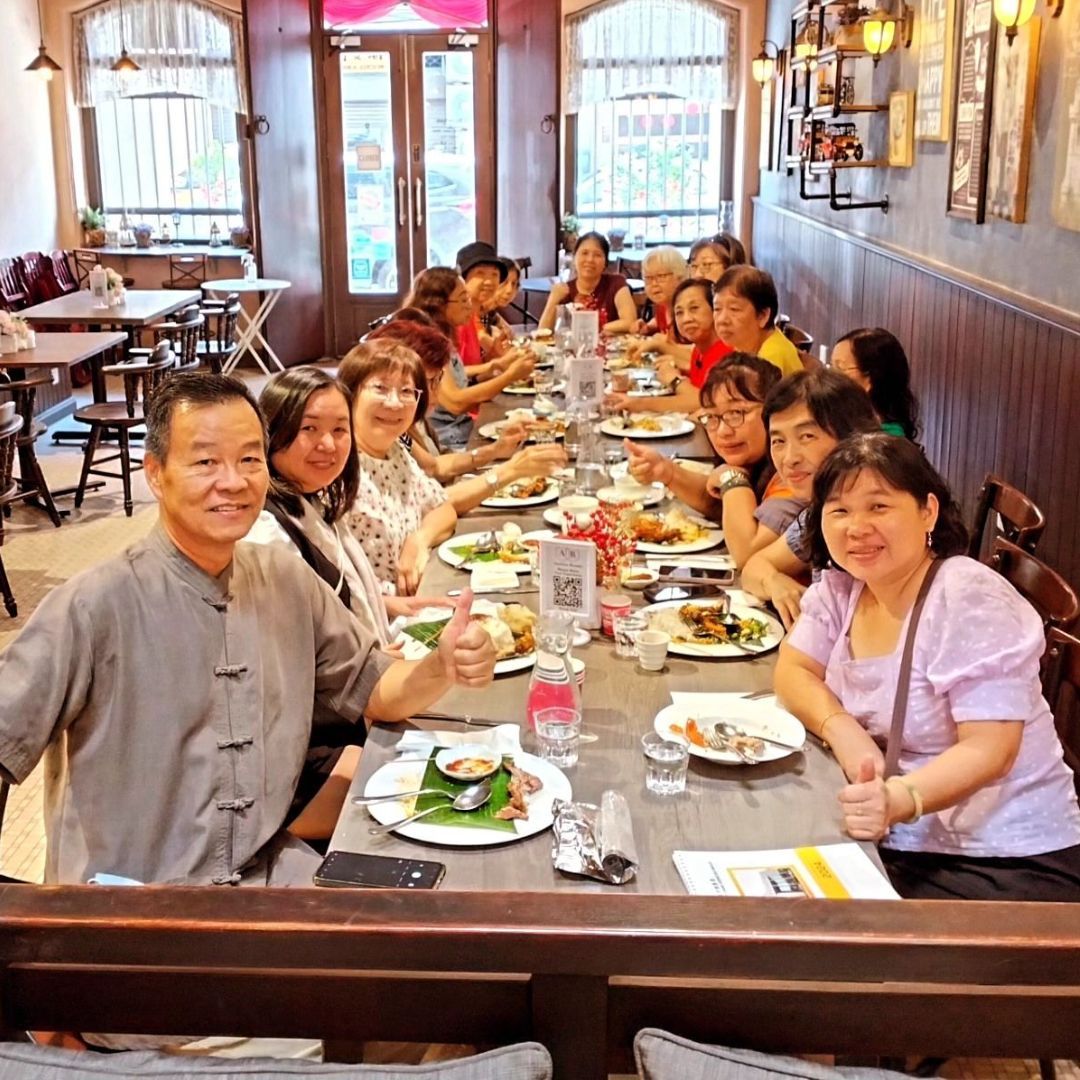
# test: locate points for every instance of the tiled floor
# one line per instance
(38, 557)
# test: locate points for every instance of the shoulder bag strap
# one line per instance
(331, 574)
(903, 683)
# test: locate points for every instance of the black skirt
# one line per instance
(924, 875)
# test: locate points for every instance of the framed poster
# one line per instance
(1066, 206)
(780, 105)
(765, 148)
(901, 128)
(977, 34)
(934, 98)
(1015, 76)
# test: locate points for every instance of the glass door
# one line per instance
(410, 174)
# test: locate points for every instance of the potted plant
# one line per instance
(143, 235)
(93, 223)
(617, 237)
(569, 232)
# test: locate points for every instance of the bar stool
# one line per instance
(121, 417)
(31, 480)
(9, 490)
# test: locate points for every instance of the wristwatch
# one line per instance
(730, 479)
(492, 478)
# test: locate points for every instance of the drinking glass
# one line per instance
(627, 628)
(558, 732)
(666, 764)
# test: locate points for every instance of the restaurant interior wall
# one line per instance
(29, 219)
(1037, 259)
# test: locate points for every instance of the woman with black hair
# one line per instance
(963, 782)
(806, 415)
(593, 288)
(876, 361)
(745, 306)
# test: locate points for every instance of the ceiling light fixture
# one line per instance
(124, 66)
(43, 63)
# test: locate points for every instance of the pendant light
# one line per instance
(124, 66)
(43, 63)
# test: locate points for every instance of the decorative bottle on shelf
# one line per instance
(99, 286)
(215, 235)
(552, 684)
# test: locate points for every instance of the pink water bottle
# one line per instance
(552, 684)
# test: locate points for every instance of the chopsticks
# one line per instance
(471, 721)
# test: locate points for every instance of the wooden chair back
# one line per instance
(1061, 686)
(798, 337)
(524, 265)
(185, 331)
(1022, 522)
(38, 278)
(9, 490)
(185, 272)
(85, 261)
(62, 271)
(144, 375)
(13, 295)
(1044, 588)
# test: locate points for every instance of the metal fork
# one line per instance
(716, 741)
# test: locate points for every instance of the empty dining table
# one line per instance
(140, 307)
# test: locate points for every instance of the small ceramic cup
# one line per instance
(652, 649)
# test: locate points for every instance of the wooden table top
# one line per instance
(140, 307)
(63, 350)
(787, 803)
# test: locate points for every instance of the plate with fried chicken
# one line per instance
(673, 533)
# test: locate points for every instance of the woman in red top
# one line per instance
(593, 289)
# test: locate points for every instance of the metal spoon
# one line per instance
(371, 800)
(732, 731)
(472, 798)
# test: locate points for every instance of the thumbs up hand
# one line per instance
(865, 801)
(465, 648)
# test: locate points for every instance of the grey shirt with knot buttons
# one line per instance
(174, 709)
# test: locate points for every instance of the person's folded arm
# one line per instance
(743, 533)
(559, 292)
(648, 466)
(770, 574)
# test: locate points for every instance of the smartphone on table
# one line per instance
(357, 870)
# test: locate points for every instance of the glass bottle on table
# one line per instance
(552, 684)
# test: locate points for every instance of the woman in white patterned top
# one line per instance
(400, 512)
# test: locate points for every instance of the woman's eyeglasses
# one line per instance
(407, 395)
(734, 418)
(698, 268)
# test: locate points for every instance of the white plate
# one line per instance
(647, 496)
(406, 775)
(411, 649)
(773, 636)
(670, 427)
(449, 754)
(712, 538)
(451, 559)
(508, 502)
(754, 717)
(554, 516)
(494, 429)
(530, 391)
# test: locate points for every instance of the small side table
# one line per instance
(250, 335)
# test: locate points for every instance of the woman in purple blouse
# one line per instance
(983, 806)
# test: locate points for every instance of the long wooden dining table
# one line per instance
(787, 803)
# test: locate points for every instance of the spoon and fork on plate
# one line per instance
(472, 798)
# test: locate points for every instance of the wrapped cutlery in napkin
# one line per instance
(504, 739)
(595, 841)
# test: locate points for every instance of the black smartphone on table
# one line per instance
(694, 582)
(356, 870)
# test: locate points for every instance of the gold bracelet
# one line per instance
(825, 724)
(916, 799)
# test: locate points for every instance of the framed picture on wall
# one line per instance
(765, 150)
(933, 104)
(972, 101)
(780, 106)
(1066, 207)
(902, 128)
(1015, 77)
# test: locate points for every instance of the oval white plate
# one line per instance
(754, 717)
(670, 425)
(449, 754)
(773, 636)
(530, 391)
(494, 429)
(712, 538)
(648, 496)
(508, 502)
(394, 774)
(452, 559)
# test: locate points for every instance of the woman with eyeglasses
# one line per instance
(692, 305)
(400, 513)
(744, 492)
(593, 288)
(709, 259)
(745, 306)
(875, 360)
(441, 294)
(662, 270)
(806, 415)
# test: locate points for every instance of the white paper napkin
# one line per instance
(504, 739)
(493, 577)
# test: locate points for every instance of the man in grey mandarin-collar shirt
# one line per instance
(171, 688)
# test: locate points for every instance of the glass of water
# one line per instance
(558, 732)
(666, 764)
(626, 628)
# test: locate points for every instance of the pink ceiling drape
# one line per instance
(440, 12)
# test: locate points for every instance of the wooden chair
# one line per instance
(219, 332)
(185, 331)
(1020, 520)
(1045, 589)
(9, 491)
(13, 296)
(62, 271)
(1061, 687)
(31, 480)
(39, 277)
(185, 272)
(121, 417)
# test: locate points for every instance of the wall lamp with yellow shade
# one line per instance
(43, 64)
(1012, 14)
(805, 49)
(763, 65)
(881, 29)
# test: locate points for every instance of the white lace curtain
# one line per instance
(688, 48)
(181, 46)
